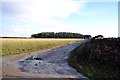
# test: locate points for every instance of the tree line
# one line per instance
(59, 35)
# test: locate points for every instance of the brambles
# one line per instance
(99, 58)
(17, 46)
(107, 49)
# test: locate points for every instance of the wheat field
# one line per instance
(18, 46)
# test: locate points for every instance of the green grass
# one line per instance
(18, 46)
(81, 61)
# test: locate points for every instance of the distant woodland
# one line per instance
(59, 35)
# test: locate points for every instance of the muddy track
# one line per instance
(46, 64)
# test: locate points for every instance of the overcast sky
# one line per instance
(25, 17)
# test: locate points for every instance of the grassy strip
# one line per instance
(80, 59)
(18, 46)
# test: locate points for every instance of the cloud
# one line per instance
(42, 10)
(25, 17)
(50, 13)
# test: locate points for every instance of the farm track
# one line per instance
(45, 64)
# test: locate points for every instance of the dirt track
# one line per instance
(45, 64)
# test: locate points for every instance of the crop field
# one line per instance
(17, 46)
